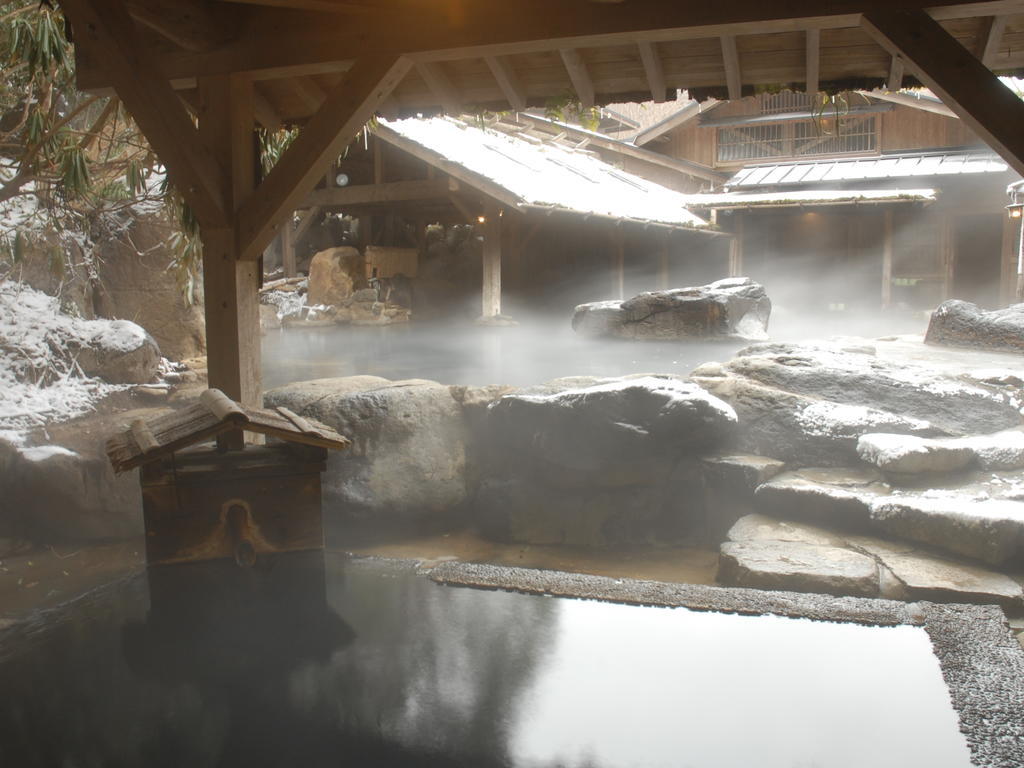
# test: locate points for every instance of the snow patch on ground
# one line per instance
(40, 379)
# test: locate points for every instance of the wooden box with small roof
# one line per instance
(202, 501)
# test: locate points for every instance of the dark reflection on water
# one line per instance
(368, 664)
(462, 353)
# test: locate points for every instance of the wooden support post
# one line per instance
(618, 262)
(895, 80)
(663, 255)
(288, 250)
(579, 75)
(887, 259)
(965, 85)
(231, 285)
(991, 40)
(508, 81)
(653, 69)
(511, 251)
(492, 262)
(733, 75)
(736, 246)
(813, 61)
(1008, 270)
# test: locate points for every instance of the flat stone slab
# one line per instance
(926, 577)
(838, 498)
(755, 528)
(798, 567)
(990, 530)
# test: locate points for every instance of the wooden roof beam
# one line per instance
(104, 27)
(190, 24)
(348, 107)
(731, 60)
(508, 81)
(906, 100)
(376, 194)
(990, 109)
(990, 40)
(579, 75)
(441, 86)
(813, 61)
(653, 69)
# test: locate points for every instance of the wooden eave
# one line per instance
(297, 50)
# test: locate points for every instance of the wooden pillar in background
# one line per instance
(887, 259)
(947, 256)
(736, 246)
(618, 262)
(227, 126)
(663, 255)
(288, 249)
(491, 294)
(511, 250)
(1008, 262)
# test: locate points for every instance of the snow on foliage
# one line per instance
(40, 379)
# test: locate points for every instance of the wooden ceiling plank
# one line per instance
(441, 86)
(895, 80)
(104, 26)
(579, 76)
(276, 39)
(990, 109)
(731, 59)
(653, 69)
(347, 109)
(508, 81)
(992, 38)
(813, 61)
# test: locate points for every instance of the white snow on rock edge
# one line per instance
(40, 380)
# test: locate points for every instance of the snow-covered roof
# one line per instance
(810, 197)
(863, 168)
(546, 174)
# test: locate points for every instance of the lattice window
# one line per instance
(799, 138)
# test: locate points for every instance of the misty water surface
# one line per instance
(303, 661)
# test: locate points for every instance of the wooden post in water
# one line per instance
(887, 259)
(491, 294)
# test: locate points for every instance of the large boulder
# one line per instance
(798, 567)
(958, 323)
(407, 463)
(810, 403)
(593, 462)
(118, 351)
(734, 307)
(52, 493)
(334, 274)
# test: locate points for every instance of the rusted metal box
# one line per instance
(206, 501)
(200, 504)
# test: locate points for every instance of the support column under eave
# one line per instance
(887, 259)
(736, 246)
(288, 250)
(618, 262)
(663, 276)
(491, 299)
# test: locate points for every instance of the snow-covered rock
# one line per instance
(810, 403)
(963, 324)
(910, 455)
(836, 498)
(991, 530)
(54, 366)
(734, 307)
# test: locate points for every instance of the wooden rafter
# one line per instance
(906, 100)
(813, 61)
(508, 81)
(376, 194)
(579, 75)
(347, 109)
(266, 115)
(731, 60)
(960, 80)
(309, 91)
(996, 26)
(305, 222)
(441, 86)
(105, 26)
(653, 70)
